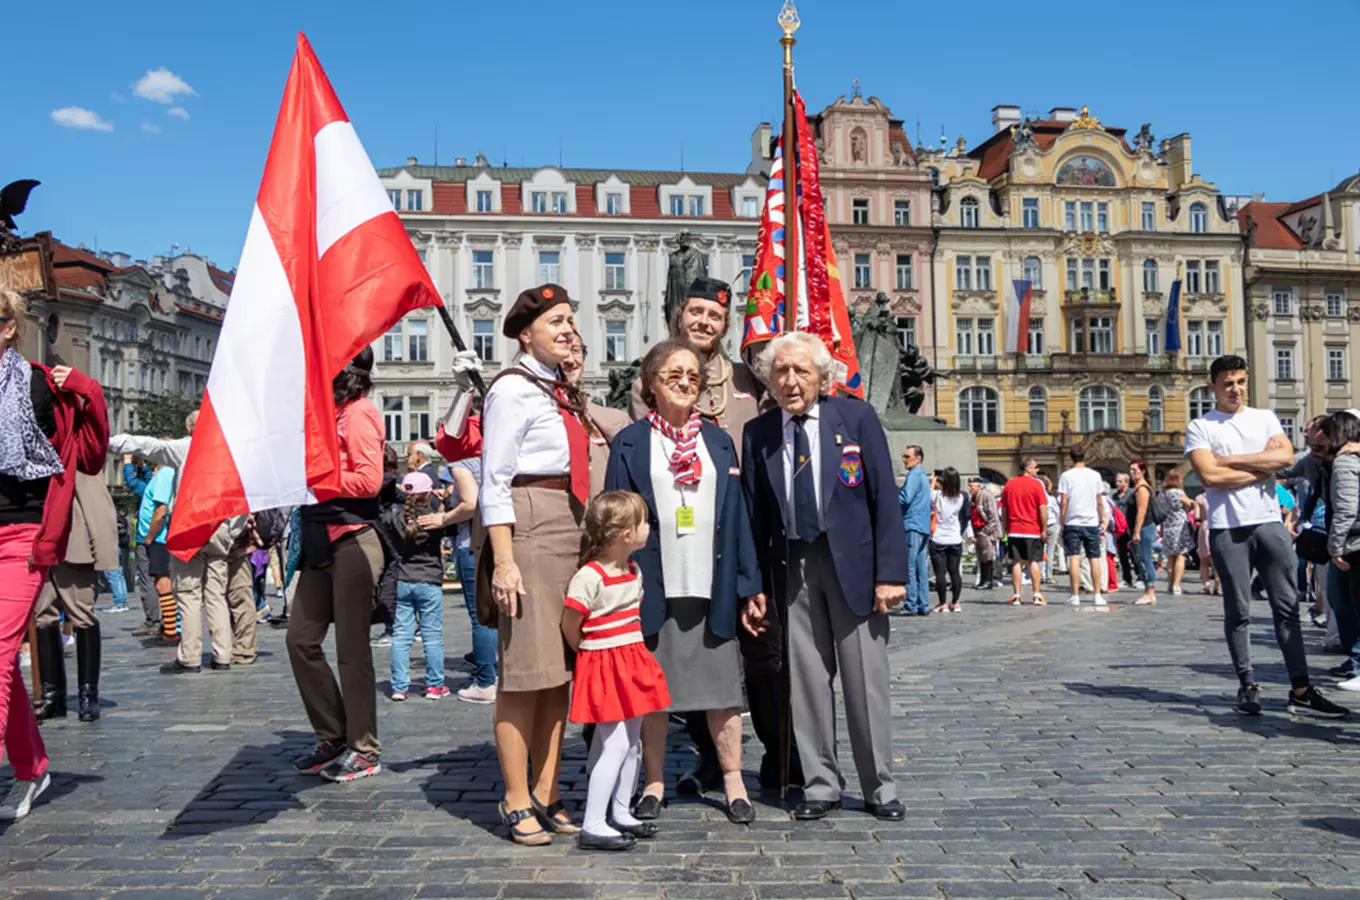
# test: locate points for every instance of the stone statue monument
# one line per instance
(915, 374)
(621, 386)
(687, 264)
(880, 354)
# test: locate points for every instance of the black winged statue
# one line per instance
(13, 199)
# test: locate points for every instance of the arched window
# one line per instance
(1099, 409)
(1199, 218)
(1034, 272)
(978, 410)
(1155, 416)
(968, 210)
(1150, 276)
(1201, 402)
(1038, 411)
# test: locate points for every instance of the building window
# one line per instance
(1038, 411)
(1149, 216)
(415, 201)
(484, 339)
(1029, 212)
(1284, 302)
(986, 337)
(1212, 285)
(1155, 416)
(1033, 271)
(538, 202)
(677, 205)
(1287, 426)
(750, 207)
(483, 201)
(906, 331)
(1072, 282)
(1201, 401)
(549, 266)
(1099, 409)
(395, 198)
(1106, 280)
(963, 273)
(1102, 335)
(1070, 215)
(1213, 338)
(984, 273)
(1284, 364)
(968, 210)
(1087, 216)
(696, 205)
(418, 340)
(616, 342)
(132, 376)
(1194, 339)
(613, 204)
(393, 344)
(901, 213)
(1336, 305)
(863, 278)
(1102, 217)
(1336, 364)
(1193, 282)
(1150, 276)
(978, 410)
(614, 270)
(1152, 330)
(1199, 218)
(859, 212)
(419, 418)
(748, 264)
(483, 269)
(1035, 345)
(559, 202)
(905, 274)
(1088, 274)
(393, 418)
(963, 337)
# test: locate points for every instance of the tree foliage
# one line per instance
(164, 416)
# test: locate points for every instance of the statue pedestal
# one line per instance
(943, 445)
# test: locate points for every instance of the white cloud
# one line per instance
(161, 86)
(178, 112)
(82, 119)
(151, 129)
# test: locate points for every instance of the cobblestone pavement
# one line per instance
(1040, 753)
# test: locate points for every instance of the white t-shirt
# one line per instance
(947, 530)
(1246, 431)
(1083, 488)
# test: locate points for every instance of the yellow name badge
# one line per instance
(684, 520)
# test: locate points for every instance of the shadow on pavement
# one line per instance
(1348, 827)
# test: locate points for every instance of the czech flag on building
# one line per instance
(327, 267)
(1017, 316)
(821, 308)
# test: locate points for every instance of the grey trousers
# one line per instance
(826, 637)
(68, 588)
(146, 585)
(1267, 549)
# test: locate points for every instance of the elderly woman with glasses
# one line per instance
(698, 565)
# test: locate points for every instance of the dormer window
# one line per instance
(613, 204)
(538, 202)
(750, 207)
(415, 201)
(968, 212)
(1199, 218)
(484, 201)
(394, 197)
(559, 202)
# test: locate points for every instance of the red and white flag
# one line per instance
(327, 267)
(1018, 303)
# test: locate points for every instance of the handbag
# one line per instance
(1311, 546)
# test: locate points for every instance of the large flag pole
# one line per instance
(789, 21)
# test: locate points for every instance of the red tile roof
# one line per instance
(62, 255)
(585, 200)
(1271, 232)
(722, 204)
(449, 199)
(78, 277)
(644, 202)
(1302, 204)
(897, 136)
(995, 152)
(510, 204)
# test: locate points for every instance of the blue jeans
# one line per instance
(1342, 600)
(918, 572)
(427, 601)
(1142, 557)
(117, 585)
(484, 639)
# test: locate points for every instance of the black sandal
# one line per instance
(529, 839)
(549, 815)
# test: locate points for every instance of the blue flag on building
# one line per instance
(1173, 318)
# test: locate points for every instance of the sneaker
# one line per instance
(147, 629)
(382, 640)
(474, 694)
(350, 767)
(398, 696)
(1344, 671)
(437, 693)
(1319, 619)
(1015, 600)
(68, 640)
(21, 796)
(113, 608)
(1311, 703)
(324, 754)
(1074, 600)
(1176, 591)
(1249, 700)
(1099, 600)
(1350, 684)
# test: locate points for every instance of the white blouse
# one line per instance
(522, 434)
(686, 559)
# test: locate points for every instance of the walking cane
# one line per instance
(36, 697)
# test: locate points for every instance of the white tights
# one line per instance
(614, 777)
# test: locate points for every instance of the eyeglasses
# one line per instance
(675, 377)
(1317, 448)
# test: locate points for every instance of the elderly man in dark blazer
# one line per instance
(819, 481)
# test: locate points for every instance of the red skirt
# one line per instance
(617, 684)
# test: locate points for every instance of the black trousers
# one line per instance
(1121, 544)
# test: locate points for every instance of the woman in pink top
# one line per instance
(341, 561)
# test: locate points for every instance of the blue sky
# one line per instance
(1268, 98)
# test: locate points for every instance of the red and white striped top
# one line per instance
(611, 605)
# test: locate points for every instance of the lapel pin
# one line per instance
(838, 440)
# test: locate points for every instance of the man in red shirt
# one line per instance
(1024, 516)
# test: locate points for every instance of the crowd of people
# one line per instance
(735, 541)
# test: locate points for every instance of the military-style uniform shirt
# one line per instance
(732, 398)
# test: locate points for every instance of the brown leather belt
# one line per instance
(547, 482)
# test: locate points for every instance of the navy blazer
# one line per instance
(735, 575)
(863, 523)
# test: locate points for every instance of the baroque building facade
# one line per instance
(487, 232)
(1302, 284)
(1100, 225)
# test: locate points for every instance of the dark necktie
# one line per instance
(805, 518)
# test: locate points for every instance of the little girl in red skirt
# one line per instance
(617, 681)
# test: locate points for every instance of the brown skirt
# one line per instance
(547, 543)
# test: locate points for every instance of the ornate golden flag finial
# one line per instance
(788, 18)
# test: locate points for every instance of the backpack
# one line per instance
(270, 525)
(1160, 507)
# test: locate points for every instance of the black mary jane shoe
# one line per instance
(741, 812)
(642, 830)
(810, 810)
(892, 811)
(586, 841)
(554, 817)
(648, 808)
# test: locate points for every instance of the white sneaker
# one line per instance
(1350, 684)
(21, 797)
(1099, 600)
(474, 694)
(1074, 600)
(1177, 591)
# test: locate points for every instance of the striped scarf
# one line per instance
(685, 459)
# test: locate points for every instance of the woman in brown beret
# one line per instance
(535, 482)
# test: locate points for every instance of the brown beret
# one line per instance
(531, 304)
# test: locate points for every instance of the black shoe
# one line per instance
(741, 812)
(699, 780)
(469, 661)
(642, 830)
(175, 667)
(647, 809)
(892, 811)
(351, 766)
(220, 667)
(923, 612)
(624, 841)
(1249, 700)
(320, 757)
(52, 673)
(810, 810)
(1311, 703)
(1344, 671)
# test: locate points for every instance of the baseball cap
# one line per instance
(417, 483)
